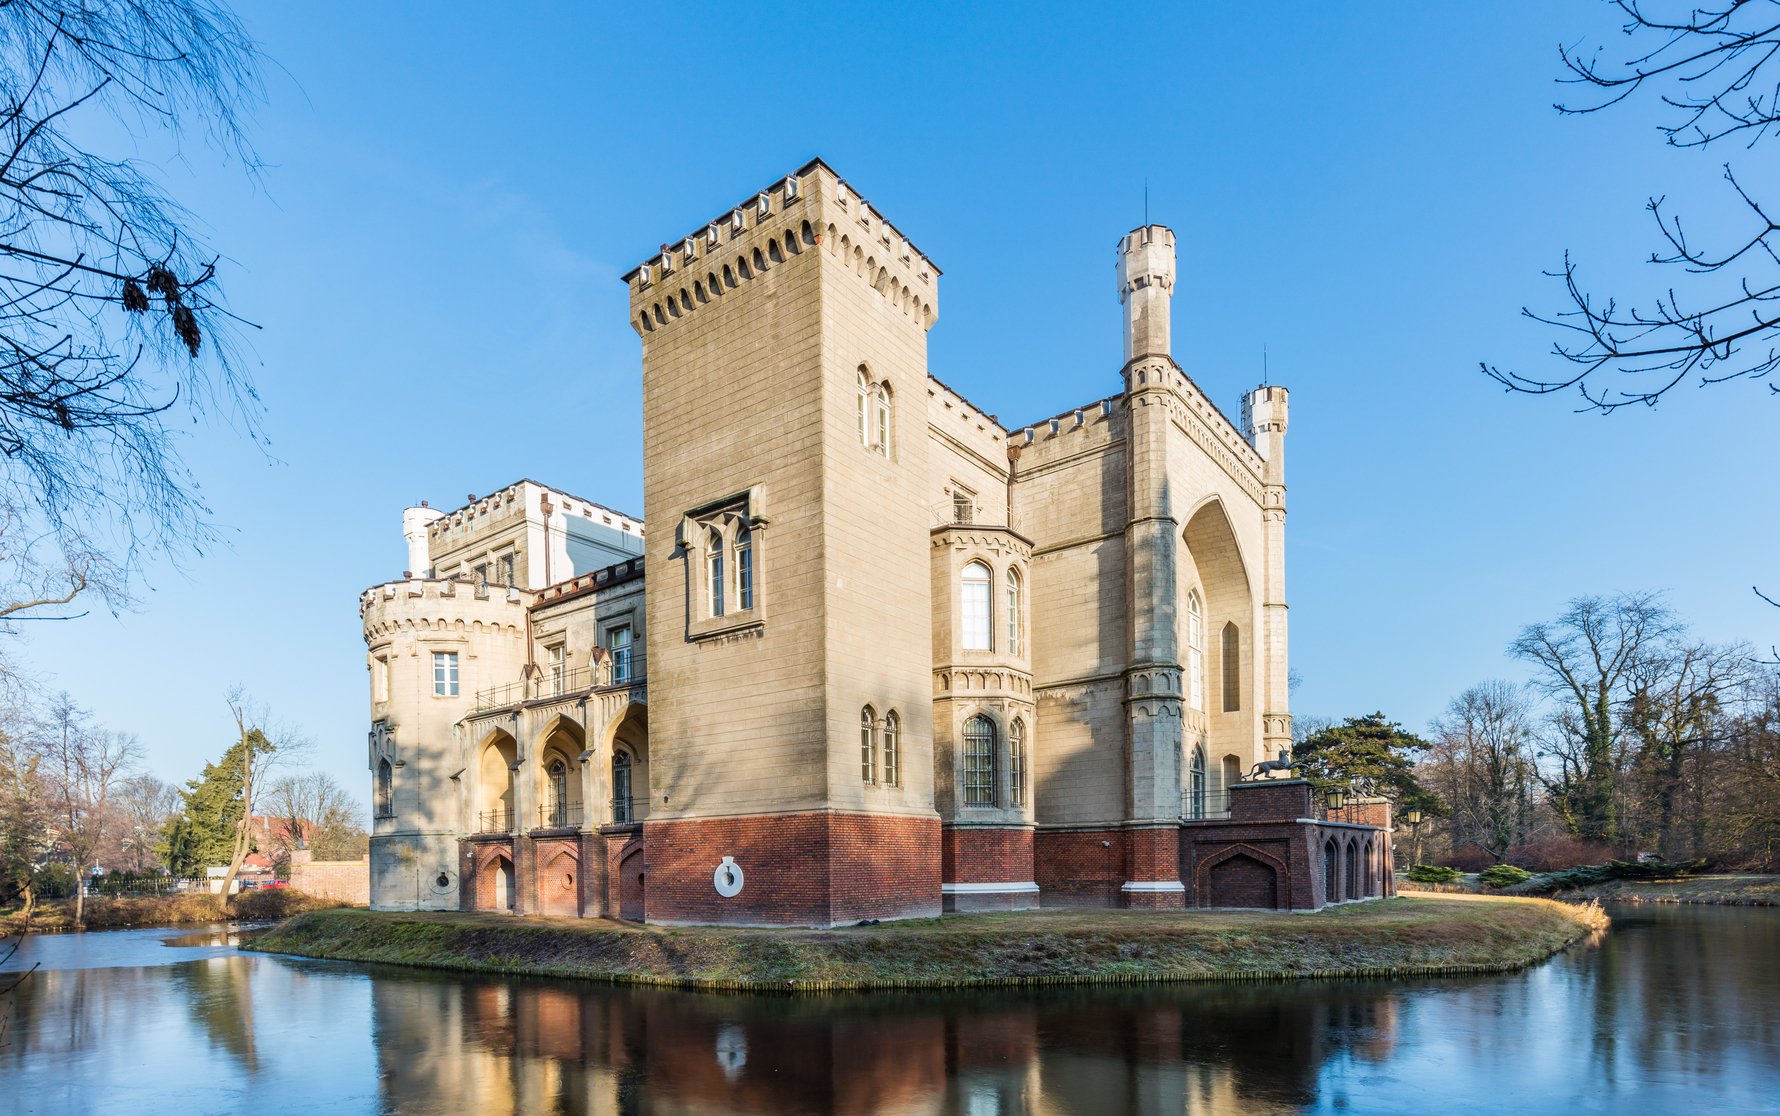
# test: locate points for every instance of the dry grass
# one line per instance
(1386, 938)
(268, 905)
(1728, 891)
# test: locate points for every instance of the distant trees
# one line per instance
(84, 764)
(313, 810)
(1633, 736)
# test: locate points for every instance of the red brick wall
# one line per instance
(816, 869)
(348, 881)
(1277, 800)
(1079, 867)
(558, 884)
(986, 855)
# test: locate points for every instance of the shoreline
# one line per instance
(1716, 890)
(56, 916)
(1404, 937)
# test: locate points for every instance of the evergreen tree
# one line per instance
(1367, 755)
(202, 834)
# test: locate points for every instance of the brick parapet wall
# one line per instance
(345, 881)
(814, 869)
(1272, 800)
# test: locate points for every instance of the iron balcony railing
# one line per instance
(627, 810)
(559, 815)
(623, 667)
(494, 821)
(1204, 806)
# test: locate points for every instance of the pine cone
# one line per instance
(135, 300)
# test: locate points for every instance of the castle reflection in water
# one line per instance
(499, 1047)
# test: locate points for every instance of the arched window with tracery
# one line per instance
(1016, 762)
(880, 398)
(974, 607)
(979, 761)
(623, 809)
(868, 745)
(558, 804)
(892, 749)
(714, 570)
(1195, 650)
(1232, 669)
(864, 388)
(744, 568)
(1015, 610)
(386, 789)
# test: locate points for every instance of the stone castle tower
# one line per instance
(891, 657)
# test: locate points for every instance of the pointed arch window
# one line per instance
(892, 749)
(1232, 669)
(714, 570)
(868, 745)
(744, 568)
(1016, 762)
(623, 810)
(557, 807)
(974, 607)
(979, 761)
(1196, 783)
(386, 789)
(880, 398)
(1015, 611)
(1195, 650)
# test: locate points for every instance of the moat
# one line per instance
(1676, 1009)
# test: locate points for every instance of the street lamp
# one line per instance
(1337, 798)
(1412, 817)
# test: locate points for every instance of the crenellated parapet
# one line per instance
(808, 215)
(1160, 382)
(441, 605)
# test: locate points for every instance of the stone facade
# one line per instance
(891, 657)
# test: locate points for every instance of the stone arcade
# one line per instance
(890, 657)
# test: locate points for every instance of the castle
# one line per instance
(876, 655)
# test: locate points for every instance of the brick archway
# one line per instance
(559, 885)
(632, 880)
(495, 883)
(1242, 876)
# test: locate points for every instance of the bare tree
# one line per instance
(111, 317)
(144, 804)
(1483, 766)
(1584, 656)
(85, 763)
(24, 814)
(317, 813)
(1708, 67)
(1677, 698)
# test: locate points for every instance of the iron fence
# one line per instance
(494, 821)
(626, 810)
(622, 667)
(1205, 806)
(559, 815)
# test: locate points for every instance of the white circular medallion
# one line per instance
(728, 878)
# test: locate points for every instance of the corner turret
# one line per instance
(1146, 285)
(415, 522)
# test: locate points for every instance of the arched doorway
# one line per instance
(494, 887)
(1354, 888)
(1331, 873)
(1211, 565)
(632, 878)
(628, 752)
(494, 783)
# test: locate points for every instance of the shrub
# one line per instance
(1504, 875)
(1554, 854)
(1433, 874)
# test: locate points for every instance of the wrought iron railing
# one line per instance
(623, 669)
(559, 815)
(627, 810)
(1208, 805)
(494, 821)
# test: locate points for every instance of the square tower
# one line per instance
(785, 472)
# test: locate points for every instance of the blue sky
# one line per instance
(1369, 192)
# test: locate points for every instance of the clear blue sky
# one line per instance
(1368, 191)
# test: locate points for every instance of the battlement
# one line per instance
(620, 573)
(441, 604)
(1062, 436)
(1144, 375)
(812, 208)
(476, 516)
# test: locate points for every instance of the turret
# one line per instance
(1146, 284)
(1264, 424)
(415, 522)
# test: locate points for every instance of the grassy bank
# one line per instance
(1387, 938)
(1727, 891)
(269, 905)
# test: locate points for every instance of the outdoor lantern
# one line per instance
(1412, 816)
(1337, 798)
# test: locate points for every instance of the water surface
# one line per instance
(1676, 1010)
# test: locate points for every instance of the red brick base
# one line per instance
(816, 869)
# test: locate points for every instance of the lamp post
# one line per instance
(1412, 817)
(1336, 798)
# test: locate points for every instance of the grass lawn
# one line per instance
(1730, 891)
(1406, 936)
